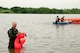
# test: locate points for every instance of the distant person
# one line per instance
(62, 19)
(12, 34)
(57, 19)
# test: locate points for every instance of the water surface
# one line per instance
(43, 36)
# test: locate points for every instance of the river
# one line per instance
(42, 35)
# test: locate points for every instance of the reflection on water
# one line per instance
(11, 51)
(16, 50)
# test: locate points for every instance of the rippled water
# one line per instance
(43, 36)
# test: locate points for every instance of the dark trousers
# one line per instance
(56, 22)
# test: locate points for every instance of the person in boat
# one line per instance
(62, 19)
(57, 19)
(12, 34)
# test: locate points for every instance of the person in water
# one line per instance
(62, 19)
(12, 34)
(57, 19)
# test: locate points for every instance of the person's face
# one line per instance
(14, 25)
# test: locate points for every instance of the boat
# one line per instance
(62, 23)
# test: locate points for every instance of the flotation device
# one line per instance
(19, 41)
(74, 20)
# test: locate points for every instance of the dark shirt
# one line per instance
(12, 35)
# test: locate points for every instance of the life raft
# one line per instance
(73, 20)
(19, 41)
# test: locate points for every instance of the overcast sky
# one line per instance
(60, 4)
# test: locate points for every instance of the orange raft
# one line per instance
(73, 20)
(19, 41)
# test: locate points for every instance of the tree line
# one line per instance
(41, 10)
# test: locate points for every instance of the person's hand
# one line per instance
(25, 35)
